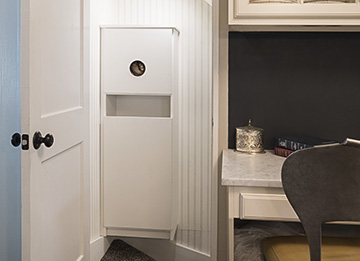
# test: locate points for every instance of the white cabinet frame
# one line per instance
(144, 187)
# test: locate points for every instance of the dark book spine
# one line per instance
(291, 145)
(282, 152)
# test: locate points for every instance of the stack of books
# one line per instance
(284, 146)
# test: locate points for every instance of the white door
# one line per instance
(55, 181)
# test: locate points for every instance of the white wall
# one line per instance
(193, 19)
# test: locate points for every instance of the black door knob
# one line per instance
(16, 139)
(48, 140)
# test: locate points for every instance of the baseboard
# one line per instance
(165, 250)
(185, 253)
(138, 233)
(98, 247)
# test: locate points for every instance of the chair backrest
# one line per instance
(323, 184)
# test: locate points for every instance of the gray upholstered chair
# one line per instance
(322, 184)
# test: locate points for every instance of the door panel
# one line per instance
(62, 195)
(55, 42)
(58, 43)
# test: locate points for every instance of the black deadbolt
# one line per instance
(48, 140)
(16, 139)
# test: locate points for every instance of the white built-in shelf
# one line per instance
(294, 12)
(138, 105)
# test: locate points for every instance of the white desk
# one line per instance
(254, 189)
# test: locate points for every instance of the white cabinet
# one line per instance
(139, 131)
(256, 203)
(254, 189)
(294, 12)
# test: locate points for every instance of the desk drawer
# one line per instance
(266, 207)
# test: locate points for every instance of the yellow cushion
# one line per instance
(297, 248)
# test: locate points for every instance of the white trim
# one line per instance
(94, 144)
(140, 233)
(194, 252)
(98, 247)
(175, 134)
(293, 28)
(86, 18)
(139, 93)
(102, 109)
(242, 13)
(222, 127)
(140, 27)
(209, 2)
(25, 112)
(215, 130)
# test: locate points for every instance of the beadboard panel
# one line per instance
(193, 19)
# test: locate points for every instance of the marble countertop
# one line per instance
(251, 170)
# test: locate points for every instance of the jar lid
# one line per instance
(250, 127)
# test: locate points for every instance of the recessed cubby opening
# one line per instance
(138, 105)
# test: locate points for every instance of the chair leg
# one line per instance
(313, 234)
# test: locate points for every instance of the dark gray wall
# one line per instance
(295, 84)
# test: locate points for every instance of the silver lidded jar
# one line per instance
(249, 139)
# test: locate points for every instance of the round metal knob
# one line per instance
(48, 140)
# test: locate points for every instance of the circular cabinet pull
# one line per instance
(48, 140)
(16, 139)
(137, 68)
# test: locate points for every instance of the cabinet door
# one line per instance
(137, 167)
(294, 12)
(122, 47)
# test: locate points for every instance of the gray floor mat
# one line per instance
(121, 251)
